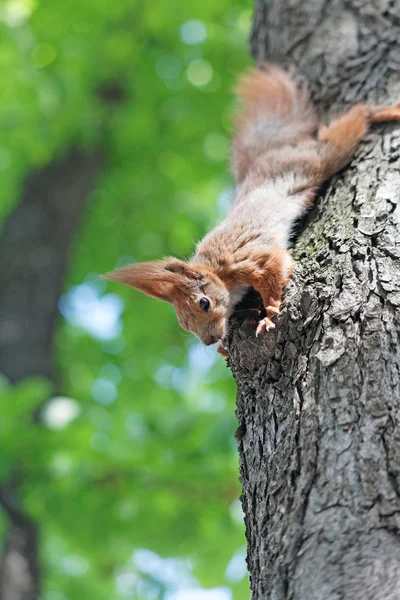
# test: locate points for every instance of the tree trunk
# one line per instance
(319, 399)
(34, 248)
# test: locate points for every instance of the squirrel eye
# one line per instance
(204, 304)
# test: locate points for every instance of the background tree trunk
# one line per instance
(319, 400)
(34, 248)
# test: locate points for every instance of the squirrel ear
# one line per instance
(158, 279)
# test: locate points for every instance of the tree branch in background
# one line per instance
(34, 249)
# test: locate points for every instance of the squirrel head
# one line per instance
(198, 295)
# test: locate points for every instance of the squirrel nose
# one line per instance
(211, 340)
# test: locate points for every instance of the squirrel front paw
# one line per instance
(222, 350)
(272, 311)
(266, 324)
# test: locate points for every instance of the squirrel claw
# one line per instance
(264, 325)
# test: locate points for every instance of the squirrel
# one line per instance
(281, 155)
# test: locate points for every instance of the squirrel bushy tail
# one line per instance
(275, 112)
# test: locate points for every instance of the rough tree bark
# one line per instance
(34, 248)
(319, 399)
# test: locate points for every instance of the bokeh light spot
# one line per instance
(243, 21)
(193, 32)
(104, 391)
(111, 372)
(61, 464)
(16, 12)
(60, 411)
(237, 569)
(74, 565)
(199, 72)
(84, 306)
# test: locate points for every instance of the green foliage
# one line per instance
(139, 454)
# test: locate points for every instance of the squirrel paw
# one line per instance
(272, 311)
(222, 350)
(264, 325)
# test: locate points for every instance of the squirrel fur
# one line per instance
(281, 155)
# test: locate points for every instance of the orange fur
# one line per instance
(282, 112)
(280, 156)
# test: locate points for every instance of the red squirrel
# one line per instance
(281, 155)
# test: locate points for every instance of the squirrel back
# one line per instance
(275, 112)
